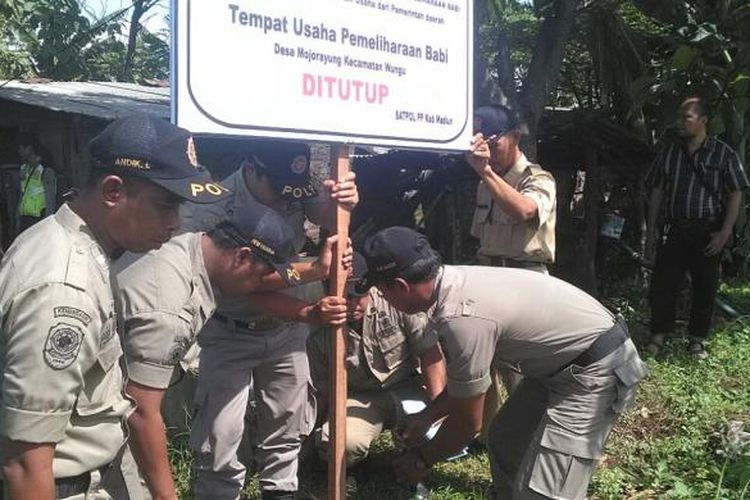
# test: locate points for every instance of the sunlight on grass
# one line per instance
(670, 445)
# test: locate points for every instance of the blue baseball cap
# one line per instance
(287, 165)
(267, 235)
(495, 120)
(392, 250)
(151, 148)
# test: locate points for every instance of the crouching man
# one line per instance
(580, 369)
(166, 296)
(384, 348)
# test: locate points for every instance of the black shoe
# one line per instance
(277, 495)
(697, 350)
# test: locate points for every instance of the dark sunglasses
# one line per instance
(494, 139)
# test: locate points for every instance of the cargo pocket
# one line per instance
(392, 344)
(628, 376)
(563, 465)
(311, 411)
(200, 441)
(481, 213)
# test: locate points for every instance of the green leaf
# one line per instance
(683, 57)
(716, 125)
(681, 490)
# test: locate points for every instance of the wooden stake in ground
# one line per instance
(337, 408)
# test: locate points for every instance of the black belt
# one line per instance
(70, 486)
(261, 324)
(520, 264)
(604, 345)
(692, 223)
(498, 261)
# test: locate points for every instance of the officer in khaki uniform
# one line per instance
(516, 199)
(384, 348)
(580, 367)
(515, 214)
(62, 406)
(167, 295)
(241, 346)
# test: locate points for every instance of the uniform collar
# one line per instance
(74, 224)
(440, 291)
(372, 309)
(203, 274)
(515, 172)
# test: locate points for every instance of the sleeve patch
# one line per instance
(177, 352)
(72, 312)
(62, 345)
(108, 331)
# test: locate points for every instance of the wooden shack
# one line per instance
(64, 116)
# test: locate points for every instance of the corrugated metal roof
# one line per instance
(106, 100)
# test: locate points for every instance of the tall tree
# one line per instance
(140, 8)
(547, 57)
(545, 27)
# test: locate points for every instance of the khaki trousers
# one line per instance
(503, 382)
(368, 413)
(275, 363)
(548, 437)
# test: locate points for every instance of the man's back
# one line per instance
(165, 297)
(534, 322)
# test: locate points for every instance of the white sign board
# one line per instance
(380, 72)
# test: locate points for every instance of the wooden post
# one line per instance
(591, 194)
(337, 404)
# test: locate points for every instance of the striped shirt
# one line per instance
(688, 193)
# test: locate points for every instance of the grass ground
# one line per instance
(675, 442)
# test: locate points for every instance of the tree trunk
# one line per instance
(140, 7)
(545, 65)
(591, 195)
(505, 72)
(484, 85)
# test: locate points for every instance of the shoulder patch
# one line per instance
(108, 330)
(62, 345)
(177, 352)
(72, 312)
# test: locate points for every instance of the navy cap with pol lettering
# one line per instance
(268, 236)
(151, 148)
(287, 165)
(392, 250)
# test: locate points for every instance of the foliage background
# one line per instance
(631, 60)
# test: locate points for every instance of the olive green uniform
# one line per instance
(381, 363)
(547, 438)
(61, 380)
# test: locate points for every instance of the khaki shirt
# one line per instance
(203, 217)
(165, 298)
(528, 322)
(500, 235)
(383, 355)
(59, 348)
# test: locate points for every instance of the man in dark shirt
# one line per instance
(699, 179)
